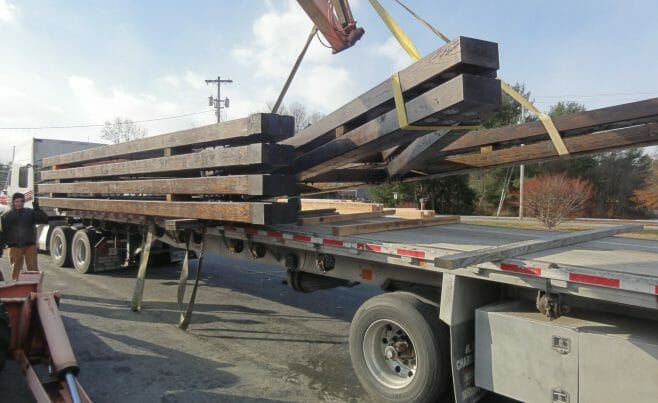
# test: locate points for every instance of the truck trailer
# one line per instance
(465, 309)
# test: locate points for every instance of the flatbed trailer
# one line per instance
(576, 323)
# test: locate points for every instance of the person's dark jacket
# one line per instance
(18, 226)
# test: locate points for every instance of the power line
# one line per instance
(103, 124)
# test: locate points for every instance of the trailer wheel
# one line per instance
(83, 251)
(60, 246)
(399, 349)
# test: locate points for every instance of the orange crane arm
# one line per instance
(334, 19)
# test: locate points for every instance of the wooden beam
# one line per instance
(577, 123)
(515, 249)
(342, 217)
(252, 185)
(245, 212)
(269, 155)
(642, 135)
(414, 213)
(403, 162)
(316, 213)
(341, 206)
(462, 55)
(455, 101)
(181, 224)
(392, 225)
(260, 127)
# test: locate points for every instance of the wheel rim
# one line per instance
(390, 354)
(57, 248)
(80, 253)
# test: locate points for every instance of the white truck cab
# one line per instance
(24, 172)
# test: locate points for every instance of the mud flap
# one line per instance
(460, 296)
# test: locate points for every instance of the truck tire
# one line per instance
(400, 350)
(83, 251)
(60, 246)
(5, 335)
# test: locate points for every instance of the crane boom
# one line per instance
(334, 20)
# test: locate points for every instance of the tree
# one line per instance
(303, 117)
(566, 108)
(647, 197)
(488, 184)
(121, 130)
(449, 195)
(553, 199)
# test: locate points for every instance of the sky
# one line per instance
(66, 63)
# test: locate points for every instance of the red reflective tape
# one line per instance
(533, 271)
(332, 242)
(303, 238)
(596, 280)
(657, 290)
(373, 248)
(251, 231)
(275, 234)
(412, 253)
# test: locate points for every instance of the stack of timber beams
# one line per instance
(455, 85)
(234, 171)
(218, 172)
(612, 128)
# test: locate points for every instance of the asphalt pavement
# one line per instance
(252, 338)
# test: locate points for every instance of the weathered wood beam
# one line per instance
(462, 55)
(464, 99)
(260, 127)
(316, 213)
(590, 121)
(407, 158)
(642, 135)
(515, 249)
(268, 155)
(245, 212)
(392, 225)
(252, 185)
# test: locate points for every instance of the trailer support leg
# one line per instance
(138, 294)
(186, 318)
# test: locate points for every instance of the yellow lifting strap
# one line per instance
(401, 110)
(546, 120)
(397, 31)
(408, 45)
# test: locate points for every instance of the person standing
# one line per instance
(20, 234)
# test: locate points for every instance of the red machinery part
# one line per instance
(334, 19)
(32, 332)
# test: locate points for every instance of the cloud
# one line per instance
(392, 50)
(8, 12)
(277, 37)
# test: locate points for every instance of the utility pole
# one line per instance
(218, 103)
(521, 175)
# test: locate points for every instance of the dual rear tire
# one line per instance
(70, 247)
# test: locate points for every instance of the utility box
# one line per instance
(587, 357)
